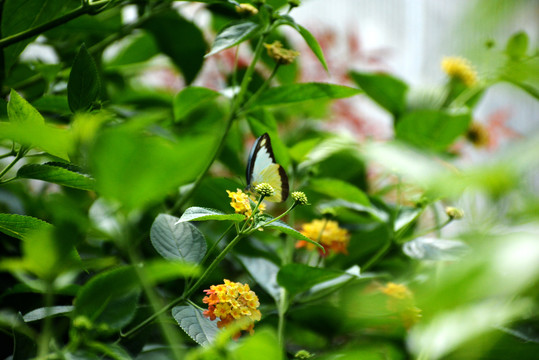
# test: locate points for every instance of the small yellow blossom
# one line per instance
(454, 213)
(232, 301)
(328, 234)
(401, 302)
(240, 202)
(460, 68)
(478, 135)
(279, 54)
(246, 9)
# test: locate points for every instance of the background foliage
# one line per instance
(114, 214)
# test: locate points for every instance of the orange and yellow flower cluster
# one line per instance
(241, 204)
(232, 301)
(401, 301)
(328, 234)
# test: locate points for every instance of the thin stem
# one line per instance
(19, 156)
(11, 153)
(46, 333)
(26, 34)
(373, 260)
(278, 217)
(262, 88)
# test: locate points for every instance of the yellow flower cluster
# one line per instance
(241, 204)
(279, 54)
(460, 68)
(232, 301)
(401, 301)
(328, 234)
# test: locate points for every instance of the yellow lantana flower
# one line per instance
(328, 234)
(401, 302)
(232, 301)
(241, 204)
(460, 68)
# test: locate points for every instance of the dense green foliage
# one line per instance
(114, 213)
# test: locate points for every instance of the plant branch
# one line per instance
(19, 156)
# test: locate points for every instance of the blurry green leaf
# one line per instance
(297, 278)
(104, 216)
(265, 274)
(197, 326)
(299, 150)
(56, 104)
(58, 173)
(140, 47)
(326, 148)
(109, 298)
(196, 213)
(234, 35)
(55, 141)
(158, 271)
(23, 16)
(180, 39)
(405, 217)
(262, 343)
(20, 112)
(386, 90)
(177, 240)
(310, 40)
(339, 189)
(152, 166)
(292, 93)
(111, 351)
(20, 226)
(432, 129)
(434, 249)
(41, 313)
(84, 83)
(517, 45)
(288, 230)
(377, 214)
(191, 98)
(15, 322)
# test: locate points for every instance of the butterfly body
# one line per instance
(262, 168)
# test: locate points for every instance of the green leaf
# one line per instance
(386, 90)
(191, 98)
(262, 343)
(109, 298)
(517, 45)
(20, 226)
(197, 326)
(288, 230)
(310, 40)
(196, 213)
(287, 94)
(141, 47)
(433, 249)
(297, 278)
(24, 15)
(112, 351)
(265, 274)
(84, 83)
(179, 39)
(432, 129)
(41, 313)
(339, 189)
(234, 35)
(58, 173)
(177, 240)
(152, 166)
(19, 111)
(158, 271)
(371, 210)
(406, 217)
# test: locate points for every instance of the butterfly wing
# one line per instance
(262, 168)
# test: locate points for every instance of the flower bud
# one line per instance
(300, 197)
(454, 213)
(265, 189)
(246, 9)
(279, 54)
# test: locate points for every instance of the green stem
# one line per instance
(262, 88)
(278, 217)
(46, 333)
(11, 153)
(19, 156)
(373, 260)
(86, 8)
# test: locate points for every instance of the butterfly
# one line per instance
(262, 168)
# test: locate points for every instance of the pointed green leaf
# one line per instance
(432, 129)
(196, 213)
(197, 326)
(19, 111)
(262, 343)
(19, 226)
(44, 312)
(233, 35)
(58, 173)
(84, 83)
(517, 45)
(339, 189)
(265, 274)
(388, 91)
(297, 278)
(177, 240)
(287, 94)
(288, 230)
(310, 40)
(191, 98)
